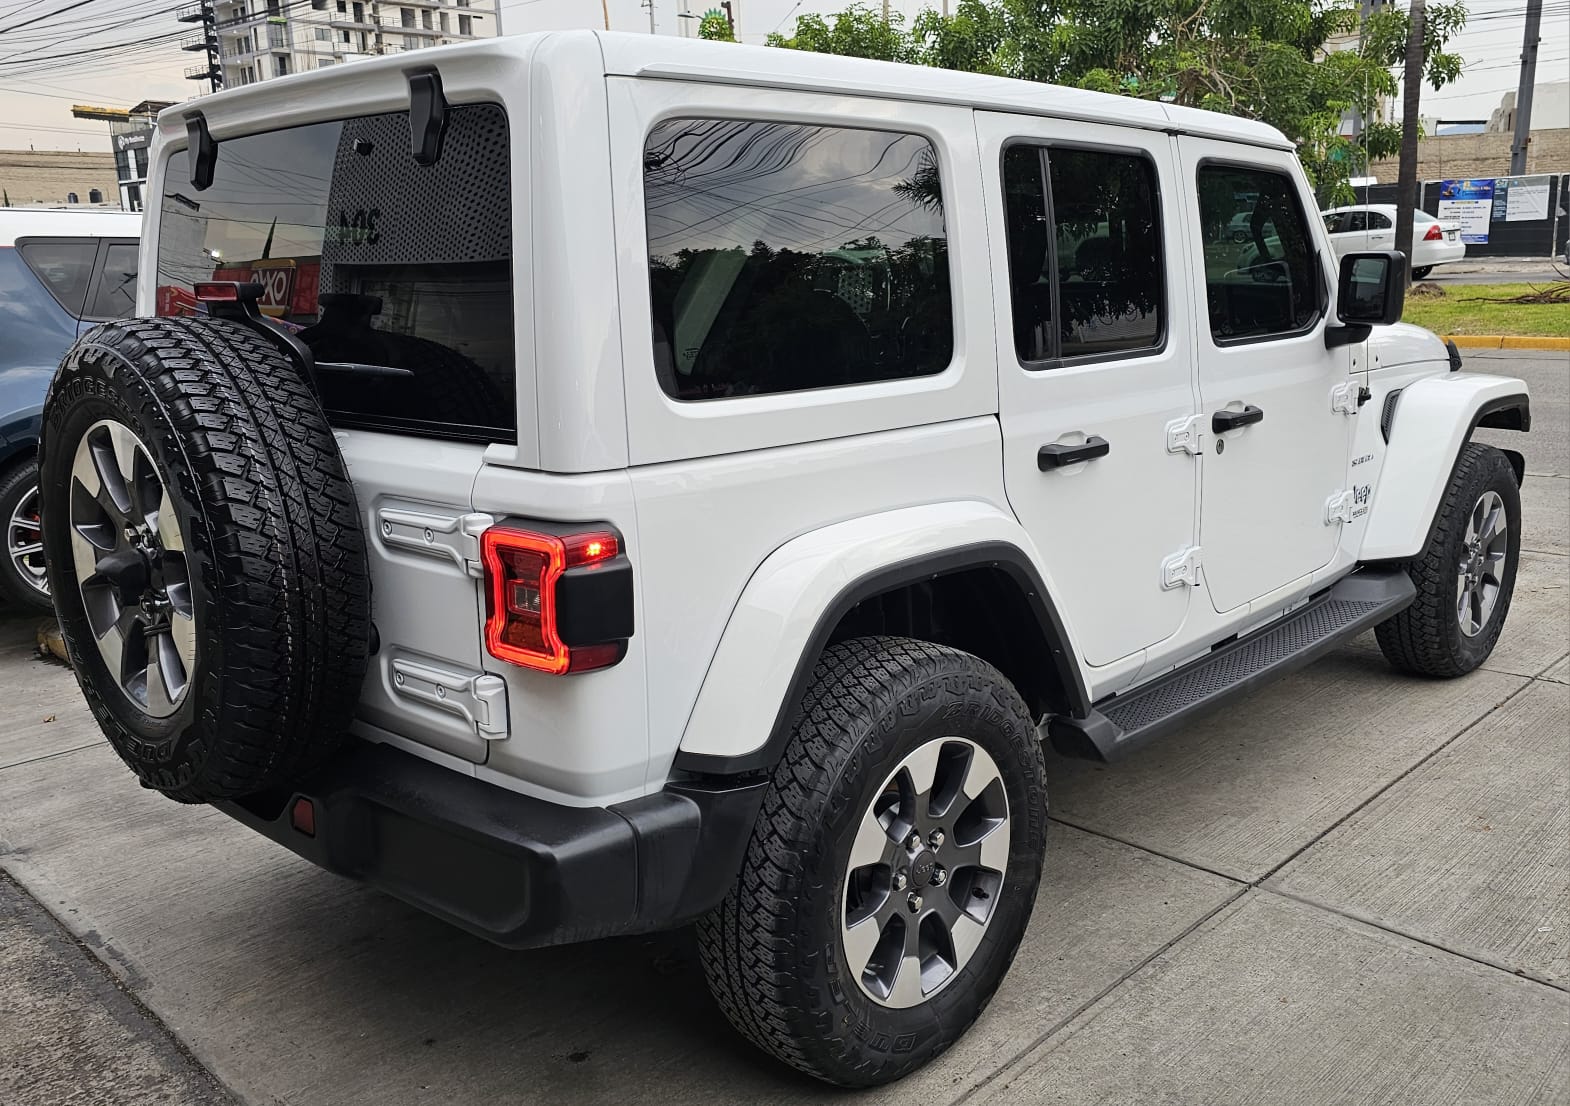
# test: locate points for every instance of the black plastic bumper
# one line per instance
(517, 870)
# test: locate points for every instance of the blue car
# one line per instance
(61, 272)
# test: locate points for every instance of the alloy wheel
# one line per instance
(129, 556)
(925, 872)
(1480, 574)
(24, 542)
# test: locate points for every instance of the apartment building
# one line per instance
(261, 39)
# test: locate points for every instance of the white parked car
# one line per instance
(1373, 227)
(586, 483)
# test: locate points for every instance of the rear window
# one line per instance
(397, 276)
(64, 265)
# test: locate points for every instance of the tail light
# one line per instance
(1434, 233)
(557, 601)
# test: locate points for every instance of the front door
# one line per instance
(1276, 447)
(1094, 363)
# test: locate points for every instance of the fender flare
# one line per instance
(1432, 422)
(742, 717)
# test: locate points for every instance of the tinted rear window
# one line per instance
(64, 265)
(375, 261)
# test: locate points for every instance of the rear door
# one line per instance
(1266, 380)
(1095, 368)
(1381, 231)
(398, 278)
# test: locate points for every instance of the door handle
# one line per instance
(1056, 455)
(1222, 421)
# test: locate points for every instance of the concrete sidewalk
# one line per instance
(1356, 888)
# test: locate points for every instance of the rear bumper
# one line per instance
(1437, 253)
(517, 870)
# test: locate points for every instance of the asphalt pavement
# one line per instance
(1502, 270)
(1354, 888)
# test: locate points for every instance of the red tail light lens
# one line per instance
(523, 617)
(1434, 233)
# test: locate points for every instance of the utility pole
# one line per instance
(885, 11)
(1523, 96)
(650, 5)
(1411, 92)
(605, 9)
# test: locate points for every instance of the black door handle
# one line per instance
(1056, 455)
(1223, 421)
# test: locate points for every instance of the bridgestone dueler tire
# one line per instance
(1425, 639)
(771, 951)
(276, 557)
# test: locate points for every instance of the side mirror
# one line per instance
(1372, 289)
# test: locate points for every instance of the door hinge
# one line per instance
(1338, 508)
(1348, 398)
(454, 538)
(1183, 435)
(1181, 568)
(481, 701)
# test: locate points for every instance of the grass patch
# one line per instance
(1467, 309)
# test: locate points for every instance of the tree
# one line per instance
(716, 27)
(1299, 65)
(1411, 91)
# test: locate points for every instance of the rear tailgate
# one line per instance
(398, 277)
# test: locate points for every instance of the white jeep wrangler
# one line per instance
(582, 484)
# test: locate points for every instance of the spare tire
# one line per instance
(205, 555)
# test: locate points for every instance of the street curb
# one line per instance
(1506, 341)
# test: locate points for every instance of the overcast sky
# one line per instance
(35, 103)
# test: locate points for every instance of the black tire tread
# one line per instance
(288, 566)
(750, 943)
(1418, 639)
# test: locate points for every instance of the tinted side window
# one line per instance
(64, 265)
(1376, 221)
(1336, 222)
(114, 297)
(784, 257)
(1108, 251)
(1091, 258)
(1266, 284)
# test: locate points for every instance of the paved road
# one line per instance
(1355, 888)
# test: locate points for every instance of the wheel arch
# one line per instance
(1432, 423)
(958, 574)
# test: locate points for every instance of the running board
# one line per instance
(1123, 722)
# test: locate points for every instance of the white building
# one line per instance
(259, 39)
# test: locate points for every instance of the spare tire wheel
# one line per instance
(205, 555)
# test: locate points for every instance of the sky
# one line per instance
(146, 63)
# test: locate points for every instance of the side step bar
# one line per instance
(1123, 722)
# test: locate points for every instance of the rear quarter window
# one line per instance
(397, 276)
(64, 265)
(787, 256)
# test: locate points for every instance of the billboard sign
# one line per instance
(1470, 203)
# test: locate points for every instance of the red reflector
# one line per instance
(1434, 233)
(218, 291)
(522, 568)
(302, 816)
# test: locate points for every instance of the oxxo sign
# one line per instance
(277, 281)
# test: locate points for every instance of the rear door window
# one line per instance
(65, 265)
(1084, 241)
(397, 276)
(114, 290)
(788, 256)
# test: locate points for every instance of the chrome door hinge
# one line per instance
(1181, 568)
(481, 701)
(454, 538)
(1183, 435)
(1338, 508)
(1348, 398)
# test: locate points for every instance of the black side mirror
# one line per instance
(1372, 289)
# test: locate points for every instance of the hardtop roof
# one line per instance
(672, 58)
